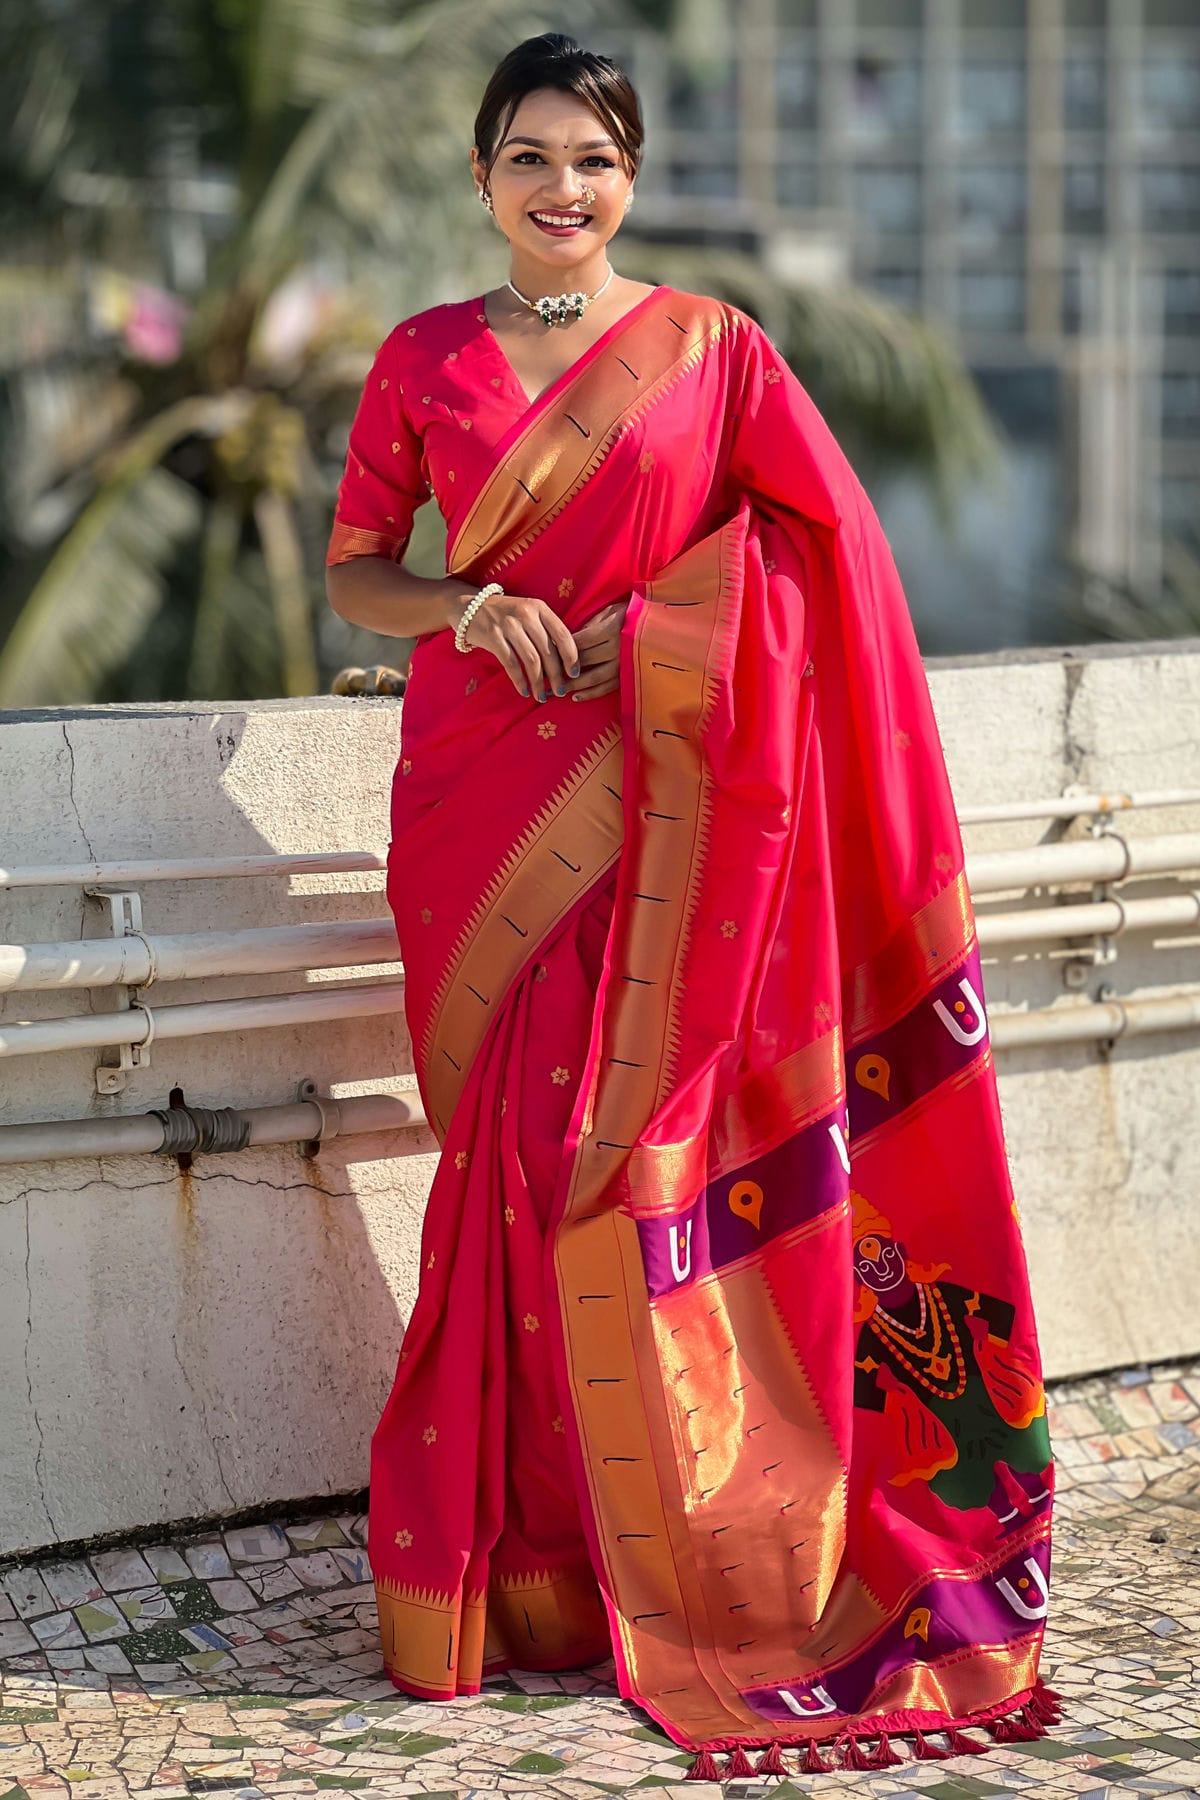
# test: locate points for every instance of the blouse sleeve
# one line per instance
(383, 482)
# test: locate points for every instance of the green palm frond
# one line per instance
(92, 606)
(105, 580)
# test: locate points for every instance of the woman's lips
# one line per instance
(561, 230)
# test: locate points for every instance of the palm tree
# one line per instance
(205, 393)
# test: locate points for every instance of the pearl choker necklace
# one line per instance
(556, 309)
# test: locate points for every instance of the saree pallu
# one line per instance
(723, 1355)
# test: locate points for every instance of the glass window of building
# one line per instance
(1083, 198)
(899, 284)
(1072, 300)
(991, 98)
(890, 13)
(993, 15)
(1169, 99)
(1170, 14)
(1180, 401)
(705, 99)
(886, 97)
(705, 172)
(1180, 301)
(1170, 194)
(888, 199)
(991, 205)
(991, 300)
(796, 82)
(1181, 507)
(1084, 90)
(795, 181)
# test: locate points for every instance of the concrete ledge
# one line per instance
(183, 1345)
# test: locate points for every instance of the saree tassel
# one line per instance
(739, 1766)
(704, 1768)
(883, 1756)
(813, 1763)
(1017, 1730)
(1045, 1703)
(961, 1745)
(927, 1752)
(771, 1762)
(853, 1754)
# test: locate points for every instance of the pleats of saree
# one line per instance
(476, 1543)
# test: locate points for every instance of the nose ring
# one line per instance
(588, 194)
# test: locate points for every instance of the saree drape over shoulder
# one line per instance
(723, 1356)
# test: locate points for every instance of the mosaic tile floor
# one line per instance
(246, 1660)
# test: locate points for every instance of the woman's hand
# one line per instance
(528, 638)
(599, 644)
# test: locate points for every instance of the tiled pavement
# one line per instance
(247, 1660)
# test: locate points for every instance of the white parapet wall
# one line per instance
(177, 1344)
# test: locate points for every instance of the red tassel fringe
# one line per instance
(1042, 1709)
(853, 1754)
(771, 1762)
(703, 1769)
(883, 1756)
(813, 1764)
(1045, 1703)
(961, 1745)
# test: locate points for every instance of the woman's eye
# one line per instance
(532, 156)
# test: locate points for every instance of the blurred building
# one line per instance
(1025, 171)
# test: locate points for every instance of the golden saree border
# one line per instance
(544, 1620)
(773, 1104)
(564, 443)
(527, 1621)
(767, 1108)
(925, 948)
(565, 849)
(349, 541)
(623, 1425)
(437, 1631)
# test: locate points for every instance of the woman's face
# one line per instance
(555, 147)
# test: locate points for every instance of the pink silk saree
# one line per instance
(723, 1357)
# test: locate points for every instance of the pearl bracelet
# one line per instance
(472, 607)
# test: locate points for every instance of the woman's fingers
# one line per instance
(528, 655)
(541, 656)
(547, 649)
(565, 642)
(601, 625)
(598, 678)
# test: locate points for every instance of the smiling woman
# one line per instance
(695, 1374)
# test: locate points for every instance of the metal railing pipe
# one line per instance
(1089, 918)
(140, 1134)
(131, 873)
(141, 1025)
(1106, 857)
(185, 956)
(1095, 1019)
(1071, 806)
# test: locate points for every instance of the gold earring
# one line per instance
(485, 199)
(629, 200)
